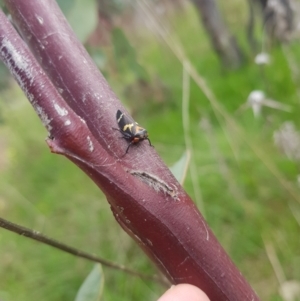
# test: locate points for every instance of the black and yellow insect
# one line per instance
(130, 130)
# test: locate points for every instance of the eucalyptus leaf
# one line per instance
(91, 289)
(180, 167)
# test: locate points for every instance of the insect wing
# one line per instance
(126, 123)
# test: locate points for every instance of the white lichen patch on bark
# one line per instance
(82, 120)
(16, 56)
(17, 63)
(44, 117)
(90, 143)
(40, 19)
(61, 111)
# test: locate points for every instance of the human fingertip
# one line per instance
(183, 292)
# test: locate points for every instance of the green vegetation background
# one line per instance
(244, 201)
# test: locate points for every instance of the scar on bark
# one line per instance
(156, 183)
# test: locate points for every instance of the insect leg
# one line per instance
(128, 147)
(149, 142)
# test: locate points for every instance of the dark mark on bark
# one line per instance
(156, 183)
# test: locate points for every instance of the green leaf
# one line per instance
(180, 167)
(91, 289)
(82, 16)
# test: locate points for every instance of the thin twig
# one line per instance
(35, 235)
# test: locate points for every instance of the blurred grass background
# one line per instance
(247, 188)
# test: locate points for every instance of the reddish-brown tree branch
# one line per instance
(145, 198)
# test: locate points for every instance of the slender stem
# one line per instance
(37, 236)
